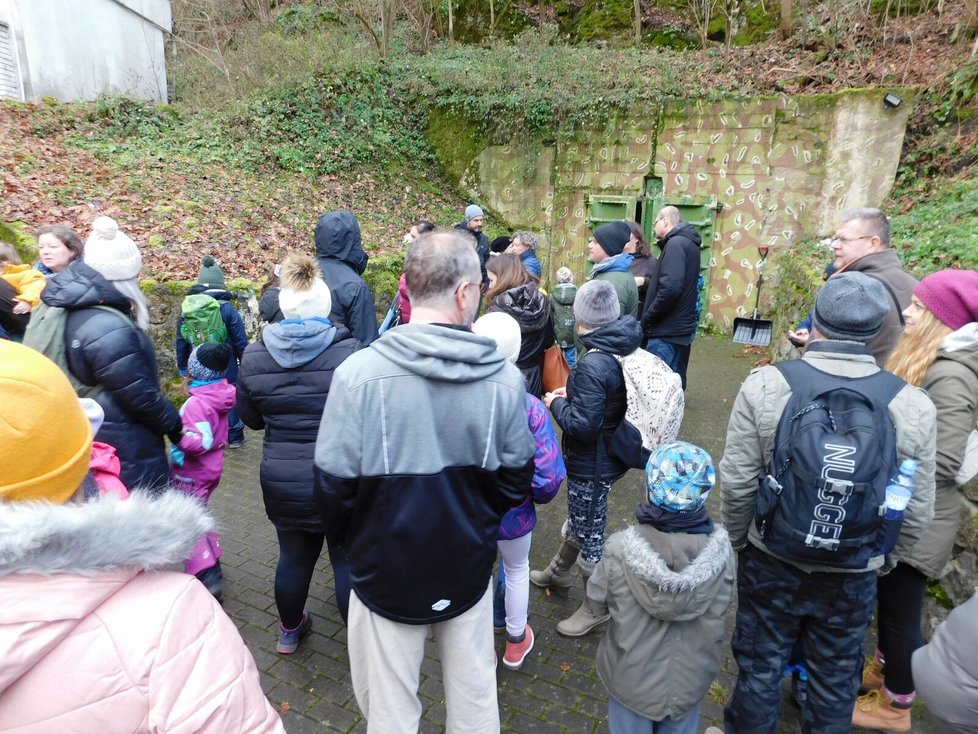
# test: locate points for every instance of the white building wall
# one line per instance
(81, 49)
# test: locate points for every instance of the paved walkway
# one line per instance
(556, 692)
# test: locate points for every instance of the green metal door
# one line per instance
(700, 211)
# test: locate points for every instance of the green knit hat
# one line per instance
(210, 273)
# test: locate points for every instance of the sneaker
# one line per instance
(876, 710)
(516, 652)
(713, 730)
(288, 640)
(236, 441)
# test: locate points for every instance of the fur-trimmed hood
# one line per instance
(687, 568)
(142, 532)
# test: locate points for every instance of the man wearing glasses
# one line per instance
(423, 446)
(671, 302)
(862, 244)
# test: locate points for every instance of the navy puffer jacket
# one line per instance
(109, 350)
(342, 261)
(595, 402)
(282, 386)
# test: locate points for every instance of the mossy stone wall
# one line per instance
(782, 169)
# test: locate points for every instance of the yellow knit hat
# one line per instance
(45, 438)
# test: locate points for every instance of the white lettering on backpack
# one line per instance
(838, 465)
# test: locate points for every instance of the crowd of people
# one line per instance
(417, 455)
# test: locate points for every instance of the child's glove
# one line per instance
(176, 455)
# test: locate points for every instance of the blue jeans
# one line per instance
(622, 720)
(778, 605)
(676, 356)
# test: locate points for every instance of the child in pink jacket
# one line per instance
(198, 459)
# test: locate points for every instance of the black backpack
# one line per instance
(834, 452)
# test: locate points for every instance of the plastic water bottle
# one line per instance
(899, 490)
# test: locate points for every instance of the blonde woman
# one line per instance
(938, 351)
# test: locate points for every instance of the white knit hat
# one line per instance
(111, 252)
(304, 295)
(502, 329)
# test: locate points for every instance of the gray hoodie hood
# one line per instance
(293, 343)
(441, 352)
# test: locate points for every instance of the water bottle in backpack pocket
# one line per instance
(899, 490)
(834, 449)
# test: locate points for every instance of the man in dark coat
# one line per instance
(671, 312)
(472, 225)
(342, 260)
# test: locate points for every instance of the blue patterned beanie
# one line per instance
(679, 477)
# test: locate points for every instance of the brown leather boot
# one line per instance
(875, 710)
(872, 675)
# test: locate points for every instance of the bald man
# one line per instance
(671, 303)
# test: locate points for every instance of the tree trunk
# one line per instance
(451, 22)
(638, 22)
(787, 18)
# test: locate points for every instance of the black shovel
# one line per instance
(755, 331)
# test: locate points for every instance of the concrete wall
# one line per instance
(80, 49)
(782, 168)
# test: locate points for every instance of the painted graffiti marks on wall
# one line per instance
(781, 169)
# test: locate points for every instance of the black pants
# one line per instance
(299, 552)
(12, 323)
(779, 605)
(901, 597)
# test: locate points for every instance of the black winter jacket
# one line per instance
(342, 261)
(670, 302)
(595, 402)
(108, 350)
(531, 309)
(282, 387)
(481, 248)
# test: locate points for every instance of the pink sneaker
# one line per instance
(516, 652)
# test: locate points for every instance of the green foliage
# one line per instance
(16, 234)
(941, 231)
(604, 19)
(330, 124)
(382, 276)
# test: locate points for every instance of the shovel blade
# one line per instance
(756, 332)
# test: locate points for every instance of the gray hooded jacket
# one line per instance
(424, 445)
(668, 594)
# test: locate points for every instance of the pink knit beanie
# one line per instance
(951, 295)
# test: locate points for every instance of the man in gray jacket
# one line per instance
(862, 245)
(782, 601)
(423, 446)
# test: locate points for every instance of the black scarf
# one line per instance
(697, 522)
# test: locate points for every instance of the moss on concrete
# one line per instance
(23, 241)
(456, 140)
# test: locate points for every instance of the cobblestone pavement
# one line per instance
(556, 692)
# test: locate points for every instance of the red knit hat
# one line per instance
(951, 295)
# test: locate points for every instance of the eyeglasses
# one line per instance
(845, 240)
(466, 283)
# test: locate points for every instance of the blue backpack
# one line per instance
(834, 452)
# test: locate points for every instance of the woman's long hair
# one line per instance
(915, 352)
(641, 245)
(510, 273)
(130, 289)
